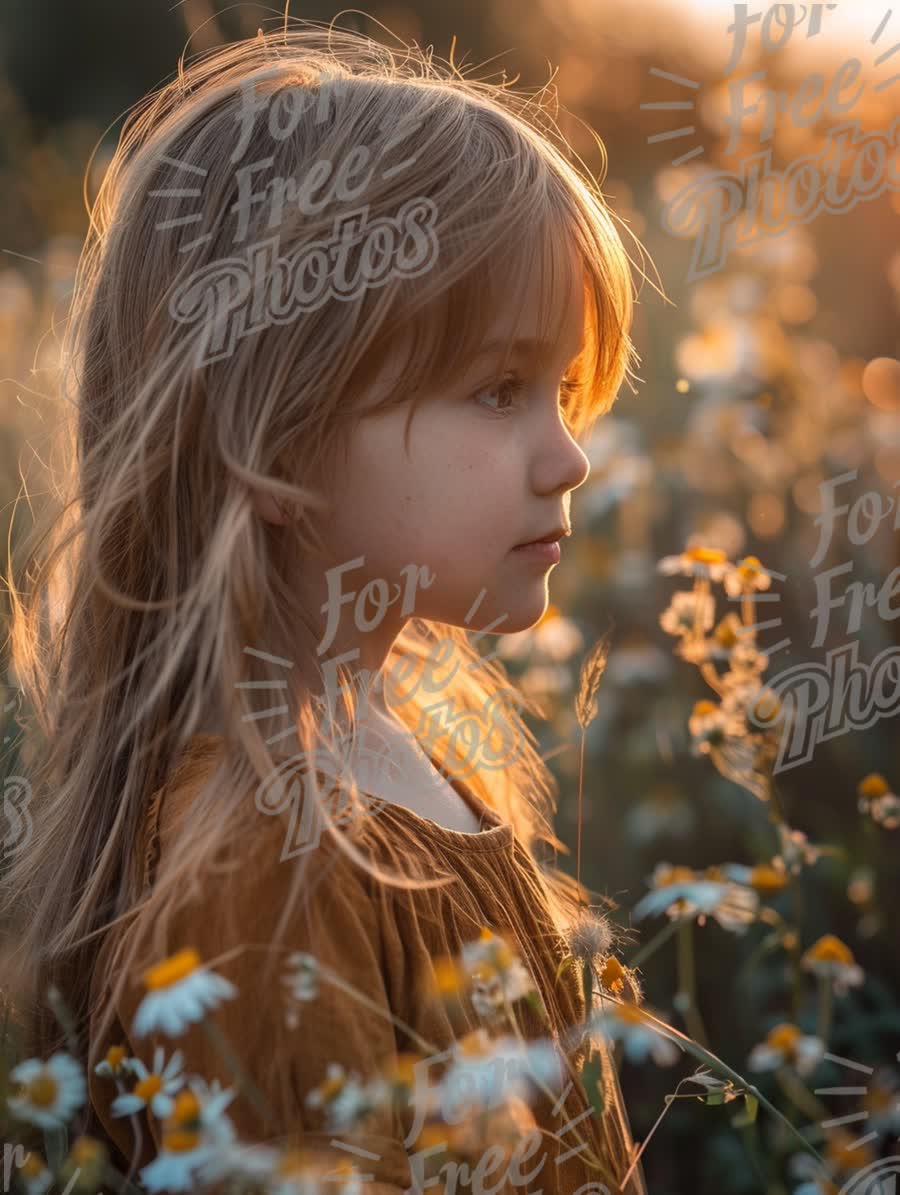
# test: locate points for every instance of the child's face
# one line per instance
(474, 484)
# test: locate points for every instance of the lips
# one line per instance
(550, 538)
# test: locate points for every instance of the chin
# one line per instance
(524, 614)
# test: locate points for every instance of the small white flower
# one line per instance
(344, 1098)
(628, 1024)
(34, 1175)
(746, 577)
(682, 895)
(304, 975)
(193, 1135)
(786, 1045)
(154, 1089)
(688, 613)
(697, 561)
(831, 959)
(505, 1068)
(114, 1064)
(180, 992)
(52, 1091)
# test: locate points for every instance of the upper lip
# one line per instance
(550, 537)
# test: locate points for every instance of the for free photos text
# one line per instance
(486, 738)
(724, 210)
(455, 1098)
(820, 701)
(237, 295)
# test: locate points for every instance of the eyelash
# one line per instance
(516, 384)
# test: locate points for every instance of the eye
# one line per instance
(510, 385)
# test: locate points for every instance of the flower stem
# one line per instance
(687, 983)
(217, 1037)
(823, 1028)
(654, 944)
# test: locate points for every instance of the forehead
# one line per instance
(542, 310)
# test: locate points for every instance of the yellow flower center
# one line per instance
(180, 1140)
(766, 879)
(32, 1166)
(841, 1151)
(702, 709)
(85, 1151)
(330, 1087)
(42, 1091)
(147, 1088)
(114, 1056)
(172, 969)
(674, 875)
(447, 977)
(706, 555)
(784, 1037)
(403, 1070)
(726, 633)
(766, 707)
(830, 949)
(613, 975)
(474, 1044)
(873, 785)
(186, 1110)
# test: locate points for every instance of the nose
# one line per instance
(559, 464)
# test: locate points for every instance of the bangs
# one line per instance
(575, 245)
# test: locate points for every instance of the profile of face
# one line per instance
(490, 465)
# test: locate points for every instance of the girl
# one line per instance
(339, 324)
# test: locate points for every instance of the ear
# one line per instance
(268, 508)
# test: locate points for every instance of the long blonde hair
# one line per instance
(152, 573)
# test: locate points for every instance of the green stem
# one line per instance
(722, 1068)
(823, 1028)
(217, 1037)
(687, 983)
(653, 945)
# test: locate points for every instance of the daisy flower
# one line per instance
(628, 1024)
(688, 613)
(787, 1045)
(746, 577)
(497, 973)
(830, 958)
(764, 878)
(154, 1089)
(294, 1174)
(727, 633)
(682, 894)
(115, 1063)
(697, 561)
(303, 983)
(180, 991)
(711, 725)
(797, 851)
(193, 1134)
(52, 1091)
(494, 1071)
(344, 1098)
(34, 1174)
(876, 799)
(85, 1164)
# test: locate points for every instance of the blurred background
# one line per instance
(756, 387)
